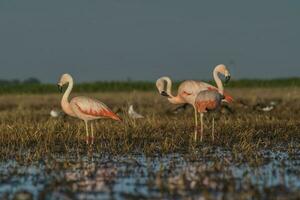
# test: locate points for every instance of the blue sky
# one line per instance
(145, 39)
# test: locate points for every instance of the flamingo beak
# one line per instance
(60, 88)
(163, 93)
(227, 79)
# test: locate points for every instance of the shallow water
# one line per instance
(171, 176)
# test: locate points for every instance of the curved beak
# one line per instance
(60, 88)
(163, 93)
(227, 78)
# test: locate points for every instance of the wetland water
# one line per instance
(173, 176)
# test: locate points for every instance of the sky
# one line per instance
(145, 39)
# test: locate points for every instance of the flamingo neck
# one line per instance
(218, 81)
(67, 92)
(65, 100)
(168, 89)
(172, 99)
(175, 100)
(169, 86)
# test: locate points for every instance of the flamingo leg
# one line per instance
(213, 129)
(87, 131)
(196, 125)
(92, 130)
(201, 121)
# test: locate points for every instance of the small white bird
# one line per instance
(134, 114)
(268, 108)
(55, 113)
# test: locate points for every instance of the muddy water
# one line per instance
(173, 176)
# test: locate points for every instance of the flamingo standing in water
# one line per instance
(188, 90)
(84, 108)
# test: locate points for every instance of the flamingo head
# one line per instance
(64, 79)
(222, 69)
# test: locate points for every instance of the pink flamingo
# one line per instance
(84, 108)
(188, 90)
(208, 100)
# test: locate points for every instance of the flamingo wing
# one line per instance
(94, 108)
(208, 100)
(228, 98)
(191, 87)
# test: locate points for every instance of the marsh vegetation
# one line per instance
(255, 153)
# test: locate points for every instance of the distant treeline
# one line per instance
(33, 85)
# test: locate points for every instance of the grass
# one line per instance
(26, 126)
(245, 136)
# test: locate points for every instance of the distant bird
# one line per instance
(84, 108)
(267, 108)
(55, 113)
(188, 90)
(133, 114)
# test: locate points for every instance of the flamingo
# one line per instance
(189, 89)
(208, 100)
(84, 108)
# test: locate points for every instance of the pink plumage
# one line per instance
(189, 90)
(82, 107)
(90, 109)
(205, 101)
